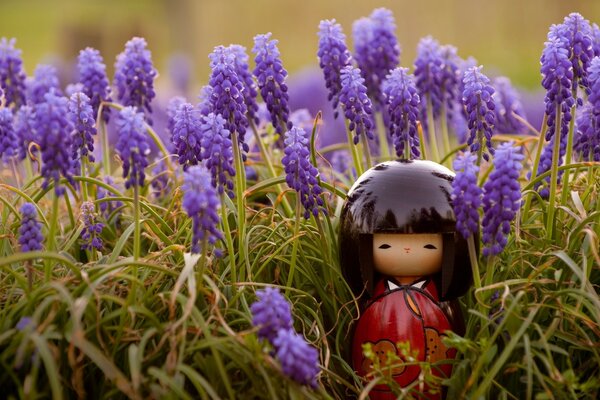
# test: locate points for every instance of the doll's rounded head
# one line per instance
(410, 198)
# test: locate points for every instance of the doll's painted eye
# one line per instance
(430, 247)
(385, 246)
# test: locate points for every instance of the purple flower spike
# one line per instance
(403, 108)
(299, 360)
(205, 106)
(217, 150)
(501, 198)
(466, 195)
(243, 71)
(201, 203)
(25, 129)
(187, 135)
(357, 106)
(508, 107)
(587, 141)
(557, 77)
(92, 75)
(134, 75)
(428, 67)
(45, 79)
(226, 95)
(301, 175)
(333, 57)
(30, 231)
(12, 76)
(8, 137)
(271, 313)
(90, 235)
(53, 131)
(376, 50)
(132, 146)
(82, 118)
(270, 75)
(479, 103)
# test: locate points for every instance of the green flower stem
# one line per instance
(367, 151)
(384, 147)
(435, 154)
(422, 141)
(290, 279)
(52, 233)
(536, 163)
(445, 135)
(28, 168)
(240, 187)
(84, 188)
(354, 150)
(228, 241)
(569, 154)
(550, 222)
(29, 272)
(104, 135)
(474, 262)
(137, 226)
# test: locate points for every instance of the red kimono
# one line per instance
(403, 313)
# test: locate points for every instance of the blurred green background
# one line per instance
(506, 36)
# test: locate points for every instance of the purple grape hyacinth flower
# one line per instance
(376, 50)
(587, 141)
(299, 360)
(596, 39)
(30, 231)
(25, 129)
(428, 71)
(301, 175)
(12, 76)
(270, 76)
(44, 80)
(90, 235)
(134, 76)
(271, 313)
(201, 203)
(132, 146)
(403, 109)
(557, 76)
(217, 150)
(466, 195)
(333, 57)
(92, 75)
(501, 198)
(205, 106)
(479, 103)
(53, 130)
(226, 96)
(187, 135)
(172, 108)
(357, 106)
(508, 107)
(243, 71)
(107, 207)
(8, 137)
(84, 129)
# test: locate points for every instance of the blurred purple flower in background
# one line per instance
(357, 106)
(24, 123)
(8, 138)
(508, 107)
(92, 75)
(180, 67)
(271, 312)
(12, 76)
(107, 207)
(466, 194)
(30, 231)
(44, 80)
(217, 150)
(132, 146)
(587, 141)
(479, 103)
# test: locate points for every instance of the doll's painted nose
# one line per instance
(407, 249)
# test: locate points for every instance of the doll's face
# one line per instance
(407, 255)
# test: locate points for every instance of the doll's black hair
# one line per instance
(403, 196)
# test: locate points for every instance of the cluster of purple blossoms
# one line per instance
(25, 129)
(479, 103)
(90, 235)
(12, 76)
(243, 71)
(217, 151)
(587, 141)
(301, 175)
(201, 203)
(8, 137)
(271, 313)
(30, 231)
(92, 76)
(376, 50)
(172, 107)
(501, 199)
(84, 129)
(134, 75)
(226, 95)
(508, 107)
(45, 79)
(576, 36)
(186, 135)
(53, 131)
(466, 195)
(333, 57)
(557, 77)
(357, 106)
(270, 76)
(403, 110)
(132, 146)
(205, 106)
